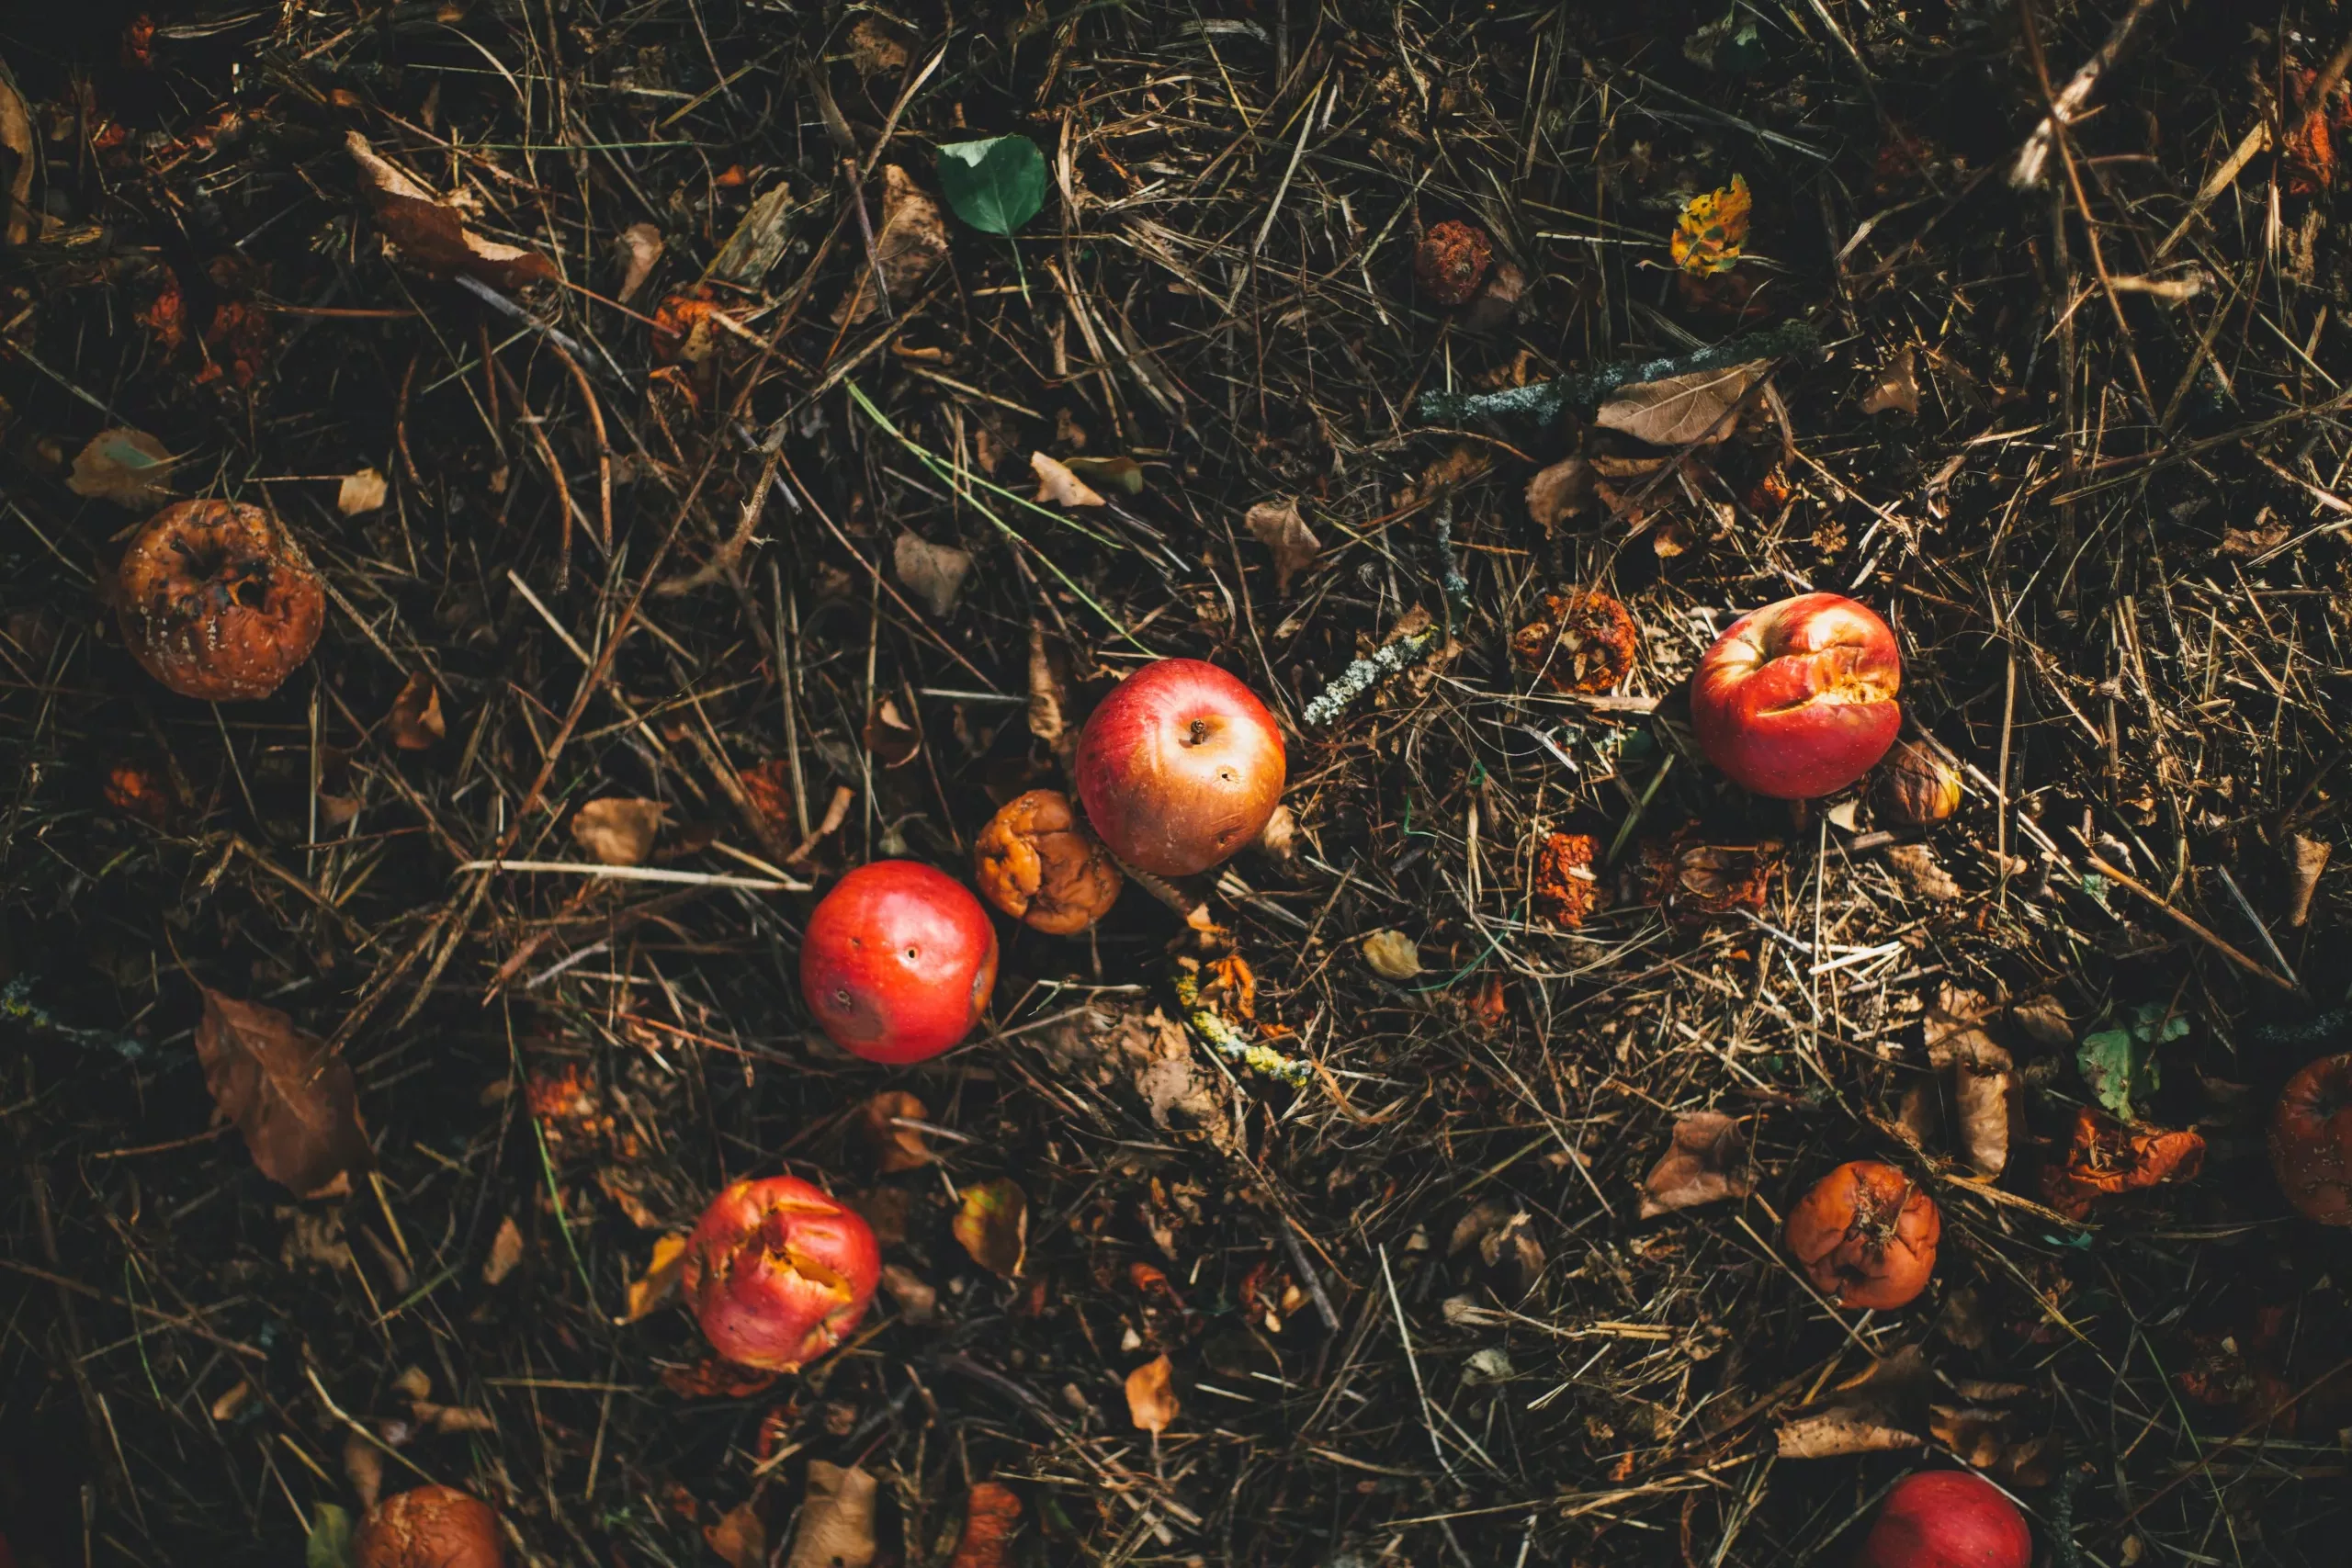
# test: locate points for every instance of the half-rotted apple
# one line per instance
(1797, 699)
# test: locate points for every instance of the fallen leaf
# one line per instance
(505, 1253)
(918, 1300)
(738, 1538)
(430, 235)
(1277, 526)
(2306, 859)
(1152, 1405)
(895, 1148)
(447, 1418)
(1150, 1055)
(362, 491)
(1882, 1410)
(2245, 544)
(934, 573)
(1988, 1430)
(1713, 229)
(296, 1103)
(2045, 1019)
(1916, 865)
(641, 247)
(836, 1528)
(1982, 1084)
(996, 185)
(993, 1224)
(1392, 954)
(1057, 484)
(17, 140)
(239, 1395)
(363, 1466)
(126, 466)
(911, 240)
(892, 740)
(990, 1516)
(1121, 473)
(758, 242)
(314, 1238)
(1048, 699)
(617, 830)
(873, 48)
(1559, 492)
(1896, 389)
(415, 722)
(1707, 1162)
(660, 1280)
(1682, 411)
(2105, 1159)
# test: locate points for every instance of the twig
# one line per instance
(1540, 403)
(2261, 971)
(2035, 154)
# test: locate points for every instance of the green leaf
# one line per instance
(330, 1542)
(995, 186)
(2118, 1065)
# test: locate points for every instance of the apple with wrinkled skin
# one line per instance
(1947, 1518)
(1866, 1235)
(1179, 767)
(778, 1273)
(429, 1527)
(1796, 701)
(897, 961)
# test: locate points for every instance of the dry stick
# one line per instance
(530, 422)
(2027, 171)
(2189, 924)
(2252, 142)
(603, 444)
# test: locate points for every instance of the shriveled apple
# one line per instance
(1179, 767)
(897, 961)
(429, 1527)
(1866, 1236)
(778, 1273)
(1797, 699)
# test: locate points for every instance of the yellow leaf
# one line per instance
(1713, 230)
(660, 1279)
(1151, 1395)
(993, 1225)
(1057, 484)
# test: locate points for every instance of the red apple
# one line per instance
(897, 961)
(429, 1527)
(778, 1273)
(1797, 699)
(1947, 1518)
(1179, 767)
(2311, 1141)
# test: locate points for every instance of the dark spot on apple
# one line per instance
(1225, 775)
(841, 998)
(910, 956)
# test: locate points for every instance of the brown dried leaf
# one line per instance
(758, 242)
(363, 1466)
(1897, 387)
(2306, 859)
(918, 1298)
(416, 722)
(1048, 701)
(1884, 1409)
(1681, 410)
(1057, 484)
(934, 573)
(2044, 1019)
(990, 1516)
(895, 1148)
(875, 49)
(836, 1526)
(505, 1252)
(993, 1224)
(1707, 1162)
(1277, 526)
(641, 247)
(1983, 1085)
(2245, 544)
(1392, 954)
(126, 466)
(362, 491)
(618, 830)
(1152, 1404)
(738, 1538)
(911, 240)
(429, 233)
(1916, 865)
(660, 1280)
(1559, 492)
(296, 1104)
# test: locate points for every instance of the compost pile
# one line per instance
(510, 502)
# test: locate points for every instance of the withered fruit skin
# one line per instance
(1038, 862)
(1451, 261)
(1916, 788)
(2311, 1141)
(215, 604)
(431, 1527)
(1866, 1236)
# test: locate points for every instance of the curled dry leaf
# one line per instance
(1277, 526)
(1707, 1162)
(739, 1538)
(1884, 1409)
(917, 1301)
(1121, 473)
(1149, 1055)
(758, 242)
(1392, 954)
(934, 573)
(296, 1103)
(874, 47)
(1915, 866)
(1057, 484)
(2306, 858)
(993, 1224)
(618, 830)
(1152, 1404)
(1979, 1079)
(1682, 411)
(416, 722)
(1896, 391)
(505, 1253)
(126, 466)
(2044, 1019)
(2104, 1159)
(1048, 698)
(362, 491)
(836, 1528)
(639, 246)
(990, 1516)
(1559, 492)
(660, 1280)
(1993, 1427)
(911, 240)
(431, 236)
(895, 1148)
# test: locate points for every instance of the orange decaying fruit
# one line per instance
(430, 1527)
(2311, 1141)
(778, 1273)
(1038, 862)
(216, 603)
(1866, 1236)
